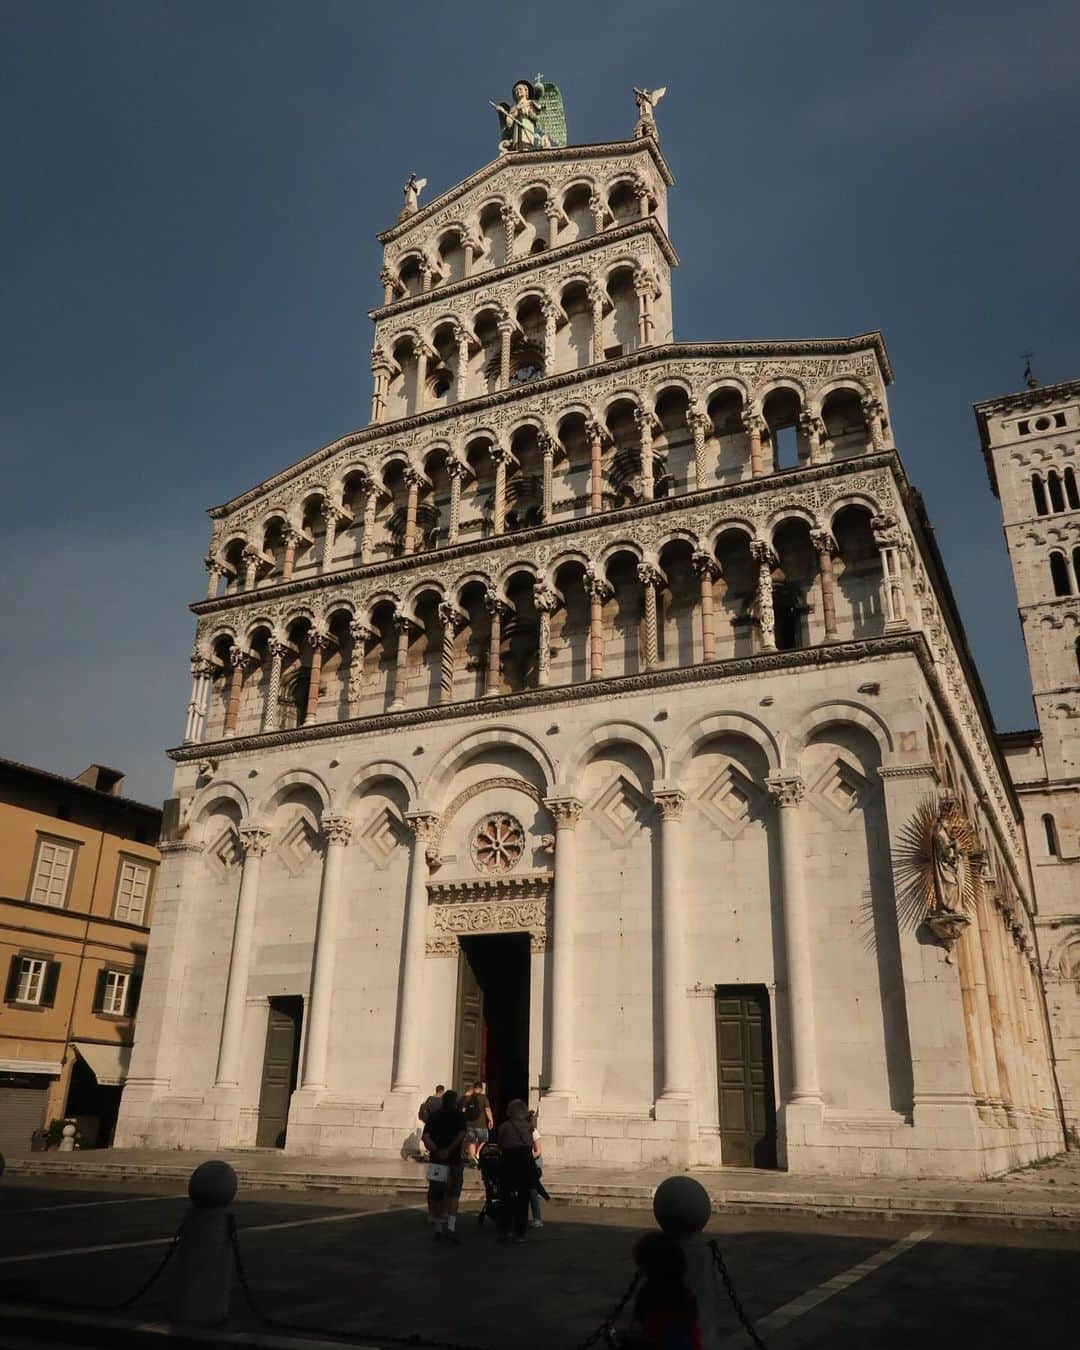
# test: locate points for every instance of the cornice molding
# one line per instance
(785, 480)
(524, 159)
(646, 356)
(532, 263)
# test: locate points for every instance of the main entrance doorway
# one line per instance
(492, 1042)
(280, 1062)
(744, 1076)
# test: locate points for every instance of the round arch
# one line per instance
(722, 724)
(841, 711)
(372, 773)
(475, 743)
(611, 733)
(290, 779)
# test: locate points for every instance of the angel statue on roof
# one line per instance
(520, 120)
(646, 100)
(413, 189)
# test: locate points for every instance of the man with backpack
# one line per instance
(478, 1119)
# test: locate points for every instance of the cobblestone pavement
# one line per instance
(364, 1264)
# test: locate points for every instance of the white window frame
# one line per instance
(114, 997)
(31, 984)
(135, 866)
(41, 878)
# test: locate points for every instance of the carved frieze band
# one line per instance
(448, 923)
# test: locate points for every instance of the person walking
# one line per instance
(534, 1195)
(428, 1105)
(444, 1134)
(478, 1116)
(517, 1174)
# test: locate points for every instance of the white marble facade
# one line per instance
(566, 580)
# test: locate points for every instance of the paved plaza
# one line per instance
(364, 1267)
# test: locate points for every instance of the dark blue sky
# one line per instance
(193, 190)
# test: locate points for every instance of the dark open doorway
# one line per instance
(492, 1042)
(744, 1076)
(280, 1062)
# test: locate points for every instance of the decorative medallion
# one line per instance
(497, 843)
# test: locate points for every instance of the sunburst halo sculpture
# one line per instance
(932, 865)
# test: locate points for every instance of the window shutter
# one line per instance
(99, 991)
(49, 983)
(13, 979)
(134, 989)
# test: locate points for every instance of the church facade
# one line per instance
(596, 722)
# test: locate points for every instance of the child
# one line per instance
(665, 1310)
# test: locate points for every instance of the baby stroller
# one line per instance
(489, 1161)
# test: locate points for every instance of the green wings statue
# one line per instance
(535, 120)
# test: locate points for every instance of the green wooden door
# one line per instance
(744, 1077)
(280, 1061)
(469, 1042)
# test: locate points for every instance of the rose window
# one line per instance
(497, 843)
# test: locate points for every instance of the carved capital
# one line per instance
(670, 804)
(456, 468)
(885, 530)
(705, 565)
(595, 294)
(201, 665)
(254, 841)
(360, 631)
(811, 426)
(337, 829)
(546, 443)
(565, 811)
(597, 587)
(413, 478)
(215, 566)
(649, 575)
(403, 622)
(240, 657)
(646, 422)
(697, 419)
(320, 640)
(546, 599)
(277, 647)
(460, 333)
(786, 789)
(762, 553)
(496, 606)
(823, 542)
(596, 431)
(752, 421)
(451, 617)
(500, 455)
(424, 825)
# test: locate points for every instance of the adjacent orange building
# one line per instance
(77, 868)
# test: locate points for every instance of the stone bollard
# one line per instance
(681, 1207)
(204, 1261)
(67, 1138)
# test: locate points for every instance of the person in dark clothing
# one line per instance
(444, 1132)
(665, 1310)
(518, 1175)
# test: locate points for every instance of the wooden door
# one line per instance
(744, 1077)
(469, 1042)
(280, 1062)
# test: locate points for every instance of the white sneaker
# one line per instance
(536, 1223)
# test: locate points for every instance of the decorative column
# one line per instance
(252, 559)
(403, 624)
(766, 559)
(380, 374)
(253, 844)
(453, 620)
(413, 479)
(554, 216)
(455, 470)
(508, 216)
(424, 356)
(708, 570)
(566, 812)
(361, 633)
(644, 287)
(331, 515)
(498, 610)
(824, 546)
(700, 424)
(550, 312)
(292, 538)
(277, 650)
(651, 579)
(320, 642)
(546, 442)
(424, 268)
(596, 296)
(598, 589)
(788, 791)
(500, 457)
(645, 424)
(598, 210)
(411, 1027)
(389, 285)
(337, 831)
(469, 249)
(987, 918)
(461, 337)
(595, 432)
(547, 602)
(972, 940)
(506, 331)
(874, 412)
(240, 659)
(887, 537)
(202, 670)
(676, 1024)
(813, 430)
(755, 425)
(216, 571)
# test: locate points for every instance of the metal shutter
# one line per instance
(22, 1110)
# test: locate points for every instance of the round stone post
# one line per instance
(423, 352)
(500, 457)
(320, 642)
(361, 633)
(201, 670)
(203, 1259)
(595, 433)
(554, 216)
(645, 422)
(386, 277)
(550, 311)
(252, 559)
(367, 535)
(403, 624)
(676, 1036)
(461, 337)
(788, 790)
(331, 516)
(708, 570)
(337, 831)
(292, 539)
(506, 332)
(754, 425)
(240, 660)
(813, 432)
(547, 602)
(598, 589)
(455, 470)
(215, 571)
(596, 296)
(497, 609)
(566, 812)
(547, 451)
(253, 843)
(682, 1208)
(413, 478)
(766, 559)
(825, 547)
(644, 287)
(468, 246)
(410, 1029)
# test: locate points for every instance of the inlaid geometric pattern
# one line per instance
(731, 800)
(224, 853)
(383, 833)
(298, 845)
(841, 791)
(621, 808)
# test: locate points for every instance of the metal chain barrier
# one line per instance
(729, 1286)
(607, 1326)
